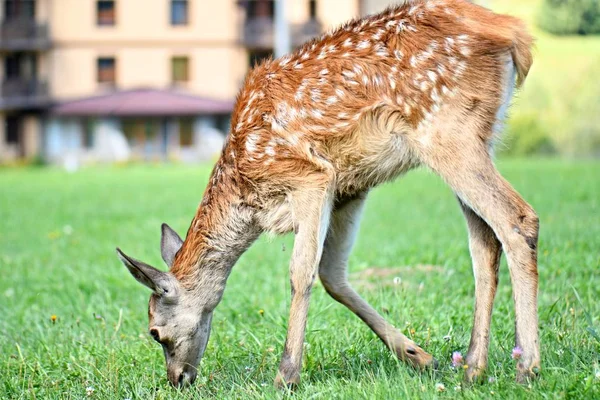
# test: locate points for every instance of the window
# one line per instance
(106, 70)
(312, 9)
(180, 69)
(179, 12)
(105, 12)
(19, 9)
(260, 9)
(255, 57)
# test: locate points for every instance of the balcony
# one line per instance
(23, 34)
(18, 93)
(258, 32)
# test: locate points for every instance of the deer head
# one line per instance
(179, 320)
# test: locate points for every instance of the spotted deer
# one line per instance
(426, 83)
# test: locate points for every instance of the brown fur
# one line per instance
(424, 83)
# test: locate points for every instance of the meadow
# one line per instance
(73, 321)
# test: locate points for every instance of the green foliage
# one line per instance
(526, 136)
(570, 17)
(57, 257)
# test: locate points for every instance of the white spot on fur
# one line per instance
(315, 95)
(318, 114)
(441, 69)
(382, 52)
(251, 142)
(432, 76)
(347, 42)
(270, 151)
(365, 44)
(378, 34)
(332, 100)
(284, 61)
(392, 82)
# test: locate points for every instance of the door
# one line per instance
(14, 134)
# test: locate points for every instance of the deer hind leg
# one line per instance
(312, 210)
(485, 252)
(333, 275)
(464, 163)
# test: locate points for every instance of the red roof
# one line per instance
(143, 102)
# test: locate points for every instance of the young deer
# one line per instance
(424, 83)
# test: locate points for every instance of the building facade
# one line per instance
(54, 54)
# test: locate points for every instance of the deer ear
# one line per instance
(170, 243)
(160, 282)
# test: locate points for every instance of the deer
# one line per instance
(426, 83)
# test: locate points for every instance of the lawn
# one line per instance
(58, 232)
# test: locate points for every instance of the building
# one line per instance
(104, 80)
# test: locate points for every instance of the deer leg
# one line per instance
(333, 274)
(485, 253)
(469, 170)
(312, 209)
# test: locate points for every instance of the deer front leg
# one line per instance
(312, 209)
(485, 252)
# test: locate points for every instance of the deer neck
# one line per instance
(222, 229)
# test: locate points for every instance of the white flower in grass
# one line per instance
(440, 387)
(89, 391)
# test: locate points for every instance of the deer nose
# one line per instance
(182, 379)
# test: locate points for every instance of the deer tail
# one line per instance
(521, 50)
(507, 32)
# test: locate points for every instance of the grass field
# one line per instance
(57, 238)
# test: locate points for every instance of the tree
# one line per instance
(570, 17)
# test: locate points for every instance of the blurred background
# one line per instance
(104, 81)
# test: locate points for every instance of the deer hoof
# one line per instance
(526, 375)
(287, 383)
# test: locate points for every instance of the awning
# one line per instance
(143, 102)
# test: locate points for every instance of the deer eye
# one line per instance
(154, 334)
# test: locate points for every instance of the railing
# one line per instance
(258, 32)
(22, 93)
(23, 34)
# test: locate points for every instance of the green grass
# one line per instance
(57, 238)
